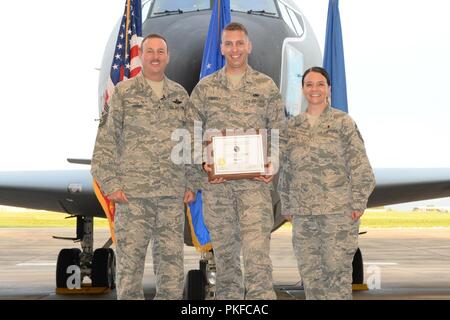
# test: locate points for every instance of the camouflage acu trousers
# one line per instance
(160, 220)
(240, 219)
(324, 246)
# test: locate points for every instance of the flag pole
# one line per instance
(131, 20)
(126, 28)
(218, 18)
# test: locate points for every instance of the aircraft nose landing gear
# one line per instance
(67, 260)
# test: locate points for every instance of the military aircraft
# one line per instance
(284, 45)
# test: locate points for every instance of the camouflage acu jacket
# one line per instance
(133, 147)
(255, 104)
(325, 168)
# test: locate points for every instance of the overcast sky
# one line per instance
(397, 78)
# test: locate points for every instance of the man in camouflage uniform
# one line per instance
(238, 213)
(325, 183)
(132, 163)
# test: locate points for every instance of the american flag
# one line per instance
(126, 64)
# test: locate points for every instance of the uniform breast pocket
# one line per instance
(138, 120)
(327, 135)
(175, 116)
(135, 101)
(134, 113)
(215, 113)
(329, 142)
(215, 103)
(249, 105)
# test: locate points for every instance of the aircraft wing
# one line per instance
(406, 185)
(71, 191)
(68, 191)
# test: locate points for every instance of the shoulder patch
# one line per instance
(104, 116)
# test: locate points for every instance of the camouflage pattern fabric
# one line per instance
(255, 104)
(239, 220)
(325, 176)
(133, 154)
(325, 168)
(133, 147)
(160, 220)
(239, 213)
(324, 247)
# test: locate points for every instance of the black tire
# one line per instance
(103, 272)
(66, 258)
(358, 268)
(195, 285)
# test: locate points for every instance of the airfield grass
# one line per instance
(370, 219)
(404, 219)
(411, 219)
(40, 219)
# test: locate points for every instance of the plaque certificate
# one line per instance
(237, 157)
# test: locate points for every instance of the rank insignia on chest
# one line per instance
(177, 101)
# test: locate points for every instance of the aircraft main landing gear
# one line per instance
(358, 268)
(200, 283)
(73, 265)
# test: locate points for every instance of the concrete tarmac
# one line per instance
(398, 264)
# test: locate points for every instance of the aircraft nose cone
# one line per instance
(185, 34)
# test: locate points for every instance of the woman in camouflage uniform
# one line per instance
(324, 188)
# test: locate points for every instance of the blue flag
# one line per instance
(333, 60)
(199, 232)
(212, 57)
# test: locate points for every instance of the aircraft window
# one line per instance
(162, 7)
(286, 17)
(292, 66)
(262, 7)
(293, 20)
(145, 7)
(297, 25)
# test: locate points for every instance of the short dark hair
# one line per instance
(236, 26)
(152, 36)
(320, 70)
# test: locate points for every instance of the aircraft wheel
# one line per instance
(103, 272)
(66, 258)
(358, 268)
(195, 285)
